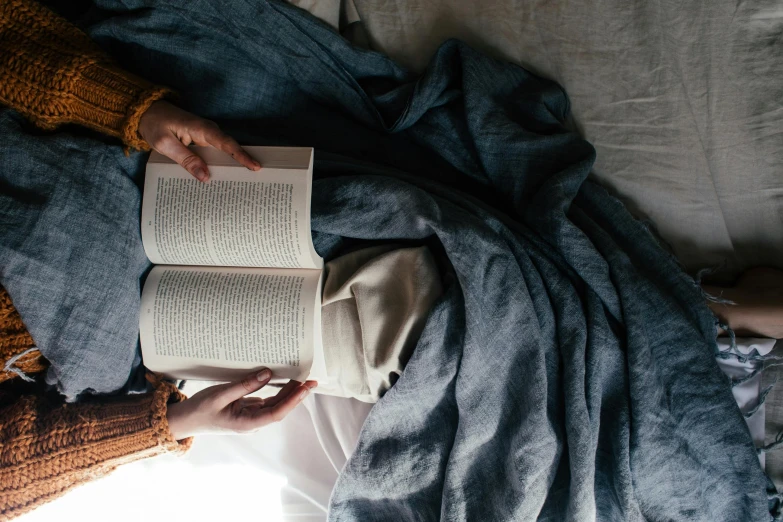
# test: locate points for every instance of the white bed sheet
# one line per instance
(682, 100)
(304, 453)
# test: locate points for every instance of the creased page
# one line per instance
(239, 218)
(219, 323)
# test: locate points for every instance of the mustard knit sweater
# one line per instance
(53, 74)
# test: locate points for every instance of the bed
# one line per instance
(682, 106)
(681, 101)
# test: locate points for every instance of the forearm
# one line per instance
(52, 73)
(750, 320)
(48, 449)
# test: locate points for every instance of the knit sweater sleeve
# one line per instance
(52, 73)
(47, 449)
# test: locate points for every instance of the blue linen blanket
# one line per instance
(568, 373)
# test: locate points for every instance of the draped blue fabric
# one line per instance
(568, 372)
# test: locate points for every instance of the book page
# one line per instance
(219, 323)
(239, 218)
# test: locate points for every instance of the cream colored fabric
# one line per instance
(375, 304)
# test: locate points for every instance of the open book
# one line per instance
(238, 284)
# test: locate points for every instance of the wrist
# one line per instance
(176, 418)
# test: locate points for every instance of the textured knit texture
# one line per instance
(53, 73)
(15, 340)
(47, 447)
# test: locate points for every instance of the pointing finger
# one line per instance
(223, 142)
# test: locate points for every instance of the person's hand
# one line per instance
(225, 409)
(169, 130)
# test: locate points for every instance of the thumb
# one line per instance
(250, 383)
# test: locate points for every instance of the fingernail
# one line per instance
(303, 394)
(264, 375)
(257, 165)
(201, 175)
